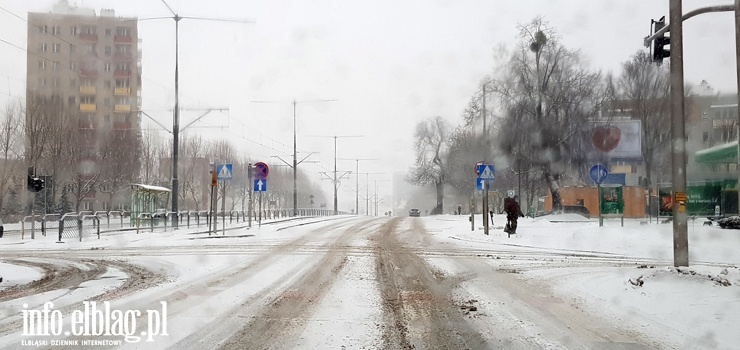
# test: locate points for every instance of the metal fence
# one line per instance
(73, 225)
(87, 223)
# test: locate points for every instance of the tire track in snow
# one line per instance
(277, 324)
(417, 300)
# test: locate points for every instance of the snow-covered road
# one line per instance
(363, 283)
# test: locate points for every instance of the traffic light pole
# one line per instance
(678, 122)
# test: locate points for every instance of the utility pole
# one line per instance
(295, 149)
(678, 127)
(176, 114)
(678, 132)
(357, 181)
(335, 137)
(367, 190)
(485, 157)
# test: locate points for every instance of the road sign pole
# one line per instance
(223, 207)
(485, 207)
(598, 202)
(251, 190)
(259, 221)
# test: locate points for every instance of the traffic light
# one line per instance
(38, 184)
(659, 51)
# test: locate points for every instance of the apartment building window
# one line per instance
(71, 48)
(107, 50)
(72, 100)
(105, 206)
(57, 30)
(123, 31)
(55, 82)
(57, 48)
(55, 65)
(73, 30)
(42, 64)
(123, 67)
(108, 31)
(43, 47)
(72, 65)
(42, 81)
(42, 29)
(87, 82)
(122, 49)
(122, 100)
(87, 99)
(107, 66)
(122, 83)
(86, 205)
(91, 48)
(89, 30)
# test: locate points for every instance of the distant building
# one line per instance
(91, 65)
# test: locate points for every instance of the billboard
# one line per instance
(618, 139)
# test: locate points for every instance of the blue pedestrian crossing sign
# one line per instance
(486, 172)
(260, 185)
(223, 172)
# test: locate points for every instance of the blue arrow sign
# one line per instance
(486, 171)
(223, 172)
(260, 185)
(598, 173)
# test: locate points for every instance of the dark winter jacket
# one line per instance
(511, 207)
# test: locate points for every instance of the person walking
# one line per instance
(513, 212)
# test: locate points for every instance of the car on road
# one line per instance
(414, 212)
(1, 228)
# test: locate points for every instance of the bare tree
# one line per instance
(644, 88)
(120, 157)
(548, 98)
(432, 148)
(11, 147)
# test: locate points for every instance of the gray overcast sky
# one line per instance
(388, 63)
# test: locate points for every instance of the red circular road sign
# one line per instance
(476, 166)
(261, 170)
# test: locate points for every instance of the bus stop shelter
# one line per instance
(146, 199)
(721, 154)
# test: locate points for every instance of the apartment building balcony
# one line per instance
(85, 124)
(122, 125)
(122, 91)
(122, 73)
(87, 90)
(123, 39)
(88, 37)
(122, 108)
(88, 107)
(89, 73)
(123, 57)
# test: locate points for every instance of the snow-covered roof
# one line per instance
(724, 153)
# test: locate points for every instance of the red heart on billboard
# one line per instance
(606, 138)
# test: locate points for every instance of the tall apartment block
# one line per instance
(91, 62)
(91, 65)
